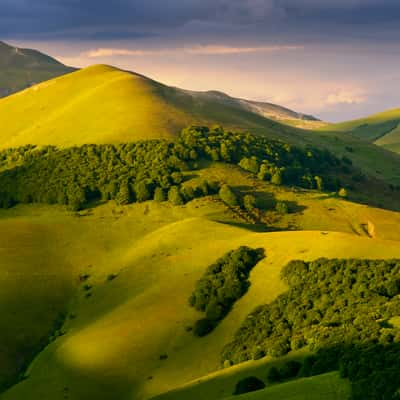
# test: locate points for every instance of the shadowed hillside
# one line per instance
(21, 68)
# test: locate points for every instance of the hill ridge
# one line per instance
(21, 68)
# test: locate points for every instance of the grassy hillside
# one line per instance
(326, 386)
(157, 252)
(219, 386)
(21, 68)
(102, 104)
(381, 129)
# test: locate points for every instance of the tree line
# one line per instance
(155, 169)
(341, 310)
(223, 283)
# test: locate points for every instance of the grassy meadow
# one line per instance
(155, 254)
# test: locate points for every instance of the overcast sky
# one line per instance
(335, 59)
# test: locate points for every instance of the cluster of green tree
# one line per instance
(223, 283)
(76, 176)
(372, 368)
(269, 160)
(249, 384)
(153, 169)
(288, 370)
(341, 310)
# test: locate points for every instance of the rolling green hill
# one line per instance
(114, 339)
(381, 129)
(122, 275)
(21, 68)
(102, 104)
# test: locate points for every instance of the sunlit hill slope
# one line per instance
(101, 104)
(381, 129)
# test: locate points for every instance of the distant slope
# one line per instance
(21, 68)
(267, 110)
(382, 129)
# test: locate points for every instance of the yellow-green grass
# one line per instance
(371, 127)
(113, 346)
(381, 128)
(47, 249)
(102, 104)
(96, 105)
(221, 385)
(310, 210)
(374, 160)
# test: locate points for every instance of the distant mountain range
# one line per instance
(22, 68)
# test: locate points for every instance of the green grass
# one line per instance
(326, 386)
(102, 104)
(221, 384)
(158, 253)
(381, 129)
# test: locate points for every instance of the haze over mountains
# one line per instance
(21, 68)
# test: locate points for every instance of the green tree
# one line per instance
(174, 196)
(142, 191)
(228, 196)
(250, 164)
(249, 202)
(282, 208)
(276, 178)
(76, 199)
(159, 194)
(249, 384)
(124, 195)
(343, 193)
(319, 182)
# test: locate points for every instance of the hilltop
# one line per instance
(102, 105)
(22, 68)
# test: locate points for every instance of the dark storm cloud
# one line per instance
(110, 19)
